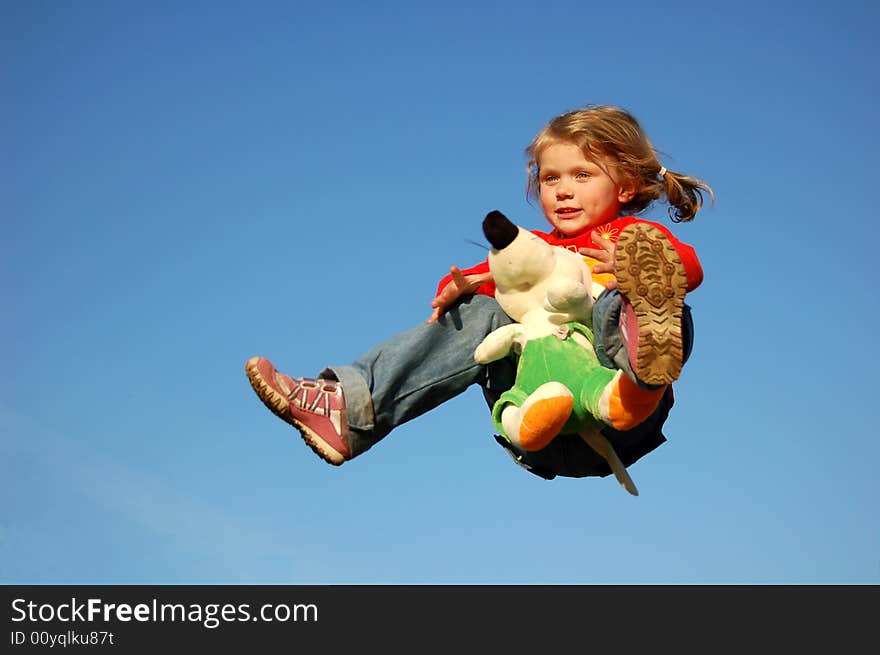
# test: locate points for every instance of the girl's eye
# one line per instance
(582, 176)
(549, 179)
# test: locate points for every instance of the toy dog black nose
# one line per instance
(499, 231)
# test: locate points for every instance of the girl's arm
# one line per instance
(458, 284)
(604, 253)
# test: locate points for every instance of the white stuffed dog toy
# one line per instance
(560, 388)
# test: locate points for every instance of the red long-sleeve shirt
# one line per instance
(610, 231)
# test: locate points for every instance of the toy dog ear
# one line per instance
(499, 230)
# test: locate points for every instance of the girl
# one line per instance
(590, 169)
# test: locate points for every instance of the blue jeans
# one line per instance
(413, 372)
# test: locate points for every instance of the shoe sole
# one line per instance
(278, 404)
(651, 276)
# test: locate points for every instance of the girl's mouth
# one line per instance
(567, 212)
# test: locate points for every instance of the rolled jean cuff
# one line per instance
(358, 400)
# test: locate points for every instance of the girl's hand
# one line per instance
(457, 287)
(605, 255)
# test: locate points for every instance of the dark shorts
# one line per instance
(569, 456)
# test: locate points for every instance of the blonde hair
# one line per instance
(610, 136)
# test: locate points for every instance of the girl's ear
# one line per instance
(627, 191)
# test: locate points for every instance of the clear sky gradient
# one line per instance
(184, 185)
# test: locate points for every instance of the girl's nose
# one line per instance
(563, 192)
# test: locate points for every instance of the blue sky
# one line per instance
(188, 184)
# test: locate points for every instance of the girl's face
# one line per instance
(577, 194)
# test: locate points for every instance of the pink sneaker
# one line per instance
(653, 281)
(314, 407)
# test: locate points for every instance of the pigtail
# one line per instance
(684, 194)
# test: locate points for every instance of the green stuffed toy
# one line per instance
(560, 387)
